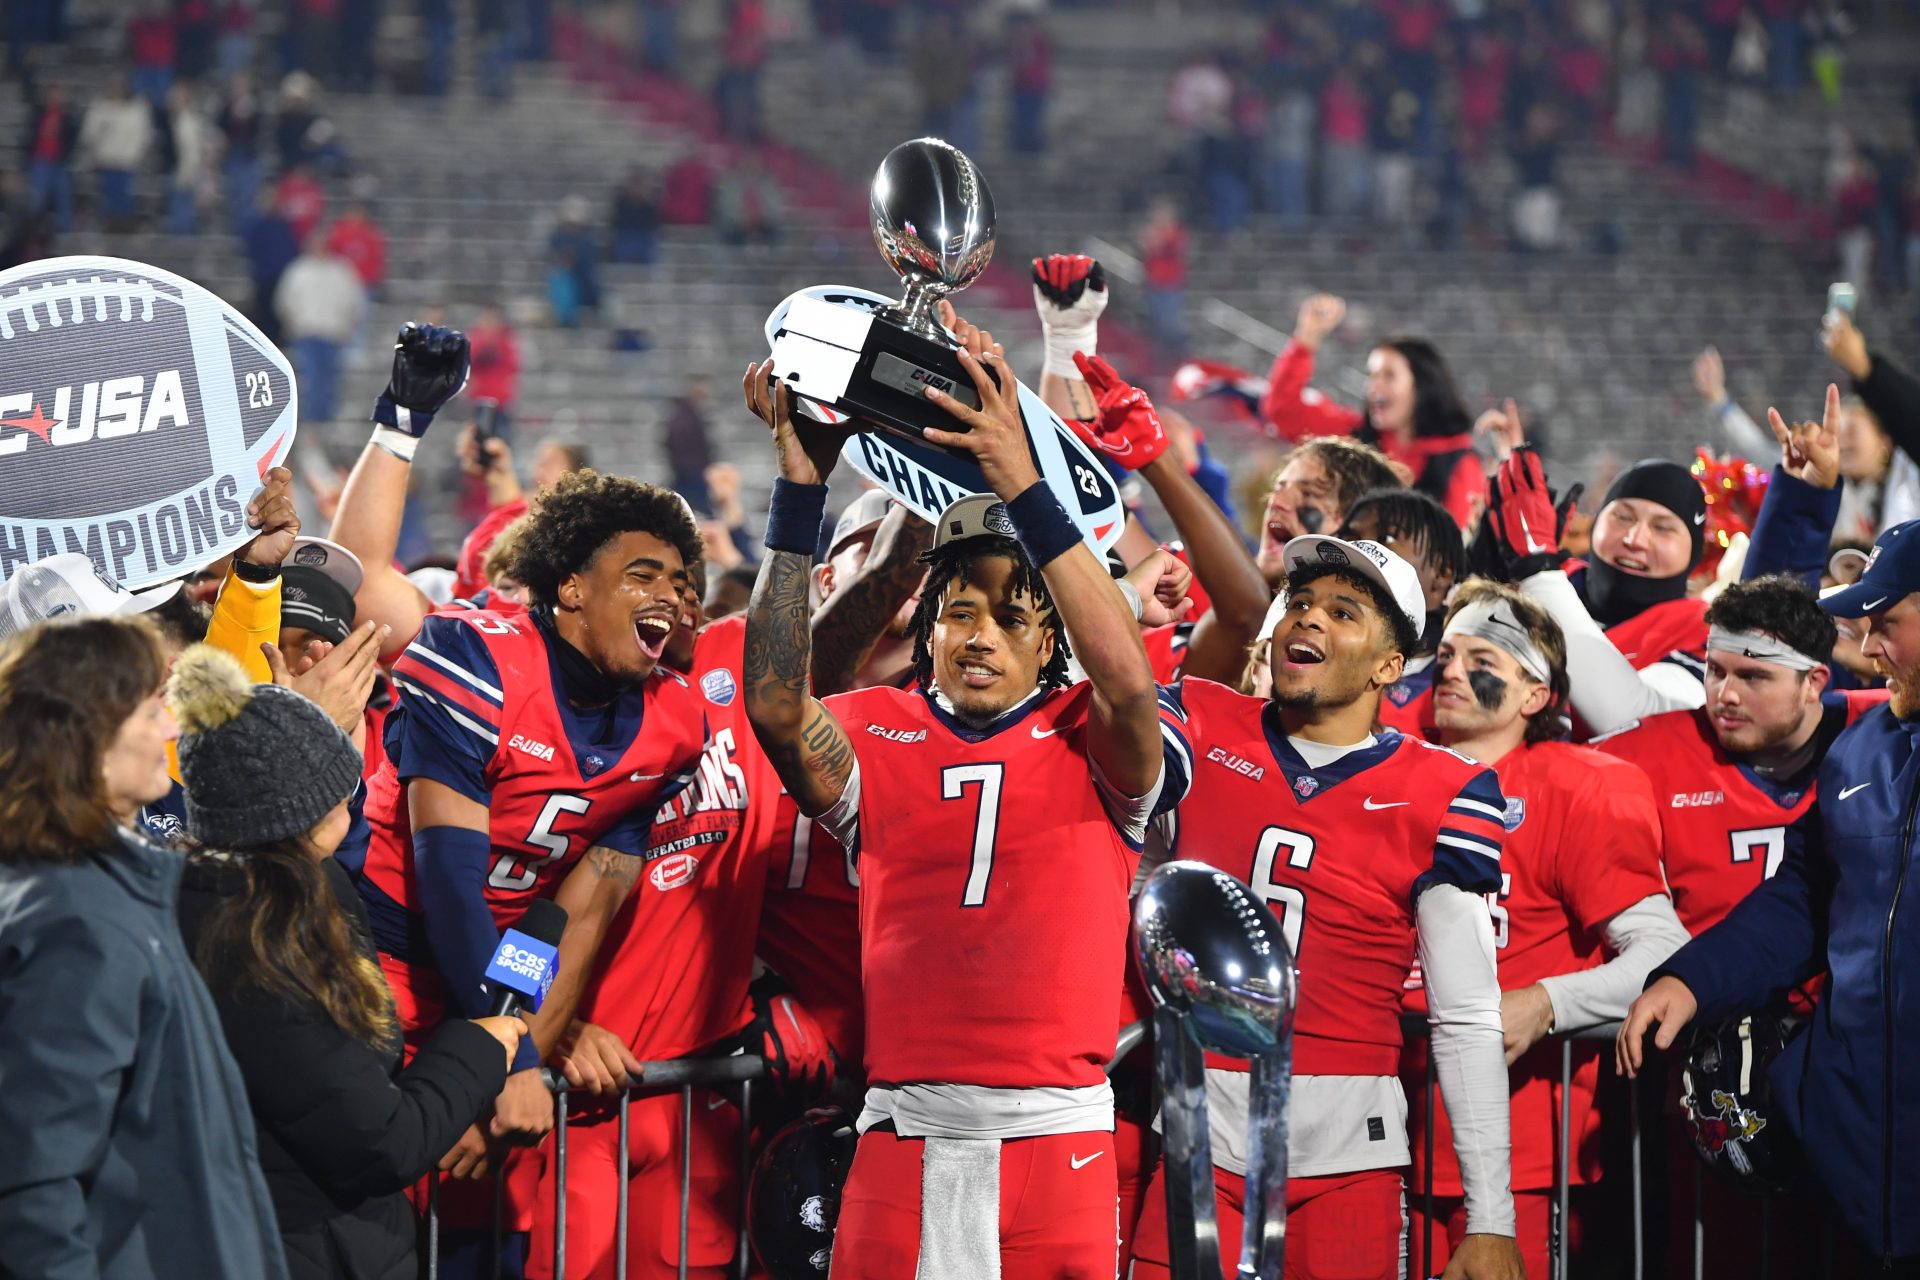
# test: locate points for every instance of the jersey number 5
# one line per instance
(1289, 903)
(510, 872)
(954, 781)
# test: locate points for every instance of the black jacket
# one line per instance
(343, 1129)
(125, 1149)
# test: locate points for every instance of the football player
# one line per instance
(527, 757)
(994, 815)
(1579, 881)
(1734, 775)
(1418, 529)
(1323, 477)
(1365, 843)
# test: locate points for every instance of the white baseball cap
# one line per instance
(69, 585)
(1400, 580)
(974, 516)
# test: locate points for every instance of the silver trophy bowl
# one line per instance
(932, 218)
(1212, 951)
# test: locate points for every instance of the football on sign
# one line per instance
(138, 413)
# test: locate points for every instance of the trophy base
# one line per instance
(860, 365)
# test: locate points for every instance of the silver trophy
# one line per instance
(1222, 979)
(932, 218)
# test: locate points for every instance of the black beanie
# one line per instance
(1673, 487)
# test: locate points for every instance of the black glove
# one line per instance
(430, 366)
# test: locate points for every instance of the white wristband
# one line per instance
(1134, 602)
(1065, 330)
(396, 442)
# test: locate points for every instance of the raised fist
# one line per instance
(1319, 316)
(429, 367)
(1069, 292)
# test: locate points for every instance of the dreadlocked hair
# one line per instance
(1412, 517)
(953, 562)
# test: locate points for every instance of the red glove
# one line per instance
(1063, 277)
(1127, 431)
(1528, 524)
(793, 1043)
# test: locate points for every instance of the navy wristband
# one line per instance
(794, 514)
(1042, 524)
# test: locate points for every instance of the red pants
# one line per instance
(1136, 1149)
(653, 1193)
(1057, 1215)
(1351, 1226)
(1533, 1211)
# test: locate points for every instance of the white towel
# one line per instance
(960, 1210)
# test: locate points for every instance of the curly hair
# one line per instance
(954, 562)
(1400, 633)
(1353, 467)
(1779, 606)
(569, 524)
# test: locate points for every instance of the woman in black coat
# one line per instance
(275, 925)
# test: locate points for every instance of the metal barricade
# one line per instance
(656, 1078)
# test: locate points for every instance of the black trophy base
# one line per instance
(889, 382)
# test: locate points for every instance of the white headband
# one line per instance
(1761, 647)
(1494, 621)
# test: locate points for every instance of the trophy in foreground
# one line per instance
(932, 218)
(1221, 976)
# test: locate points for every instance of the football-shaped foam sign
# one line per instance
(138, 413)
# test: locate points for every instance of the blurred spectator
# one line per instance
(1786, 22)
(689, 444)
(729, 592)
(943, 66)
(1395, 120)
(241, 123)
(729, 535)
(32, 22)
(1636, 111)
(275, 925)
(573, 264)
(1288, 171)
(635, 220)
(310, 37)
(236, 37)
(1679, 53)
(747, 205)
(554, 459)
(320, 303)
(1030, 77)
(493, 27)
(1200, 101)
(659, 34)
(359, 239)
(438, 31)
(53, 129)
(196, 29)
(686, 193)
(153, 45)
(194, 143)
(129, 1149)
(271, 246)
(301, 200)
(871, 23)
(116, 134)
(1345, 165)
(494, 355)
(359, 21)
(1856, 198)
(303, 134)
(1163, 252)
(736, 92)
(1536, 162)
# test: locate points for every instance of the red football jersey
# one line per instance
(810, 926)
(1723, 826)
(1339, 853)
(1407, 705)
(478, 712)
(673, 973)
(1583, 844)
(993, 893)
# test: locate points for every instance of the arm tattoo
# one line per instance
(825, 751)
(774, 665)
(851, 624)
(616, 868)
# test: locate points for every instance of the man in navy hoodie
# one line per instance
(1836, 906)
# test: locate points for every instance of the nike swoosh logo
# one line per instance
(1701, 518)
(1869, 608)
(644, 777)
(1858, 786)
(1038, 732)
(1397, 804)
(1081, 1162)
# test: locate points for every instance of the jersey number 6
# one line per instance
(1288, 902)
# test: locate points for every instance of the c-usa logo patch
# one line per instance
(719, 687)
